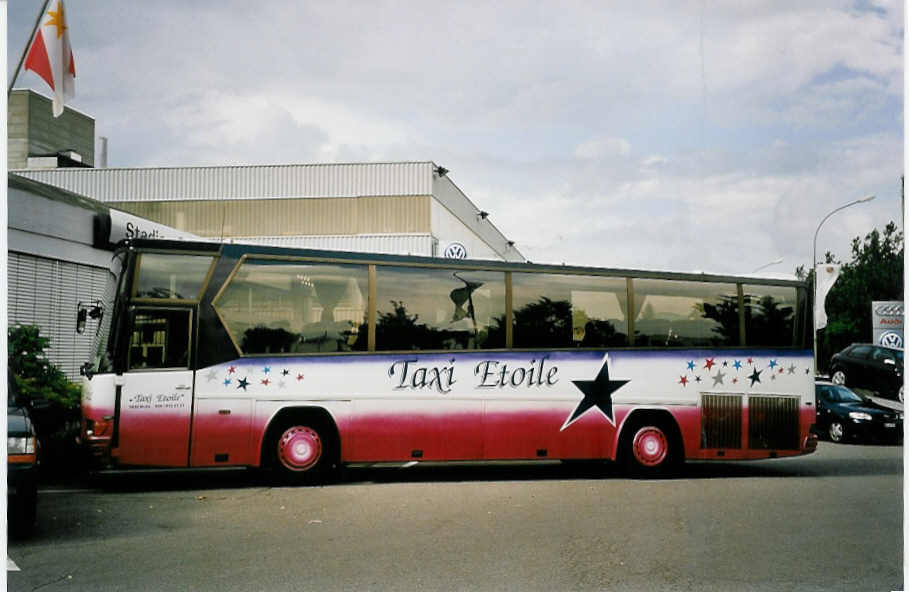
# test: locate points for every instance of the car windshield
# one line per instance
(839, 394)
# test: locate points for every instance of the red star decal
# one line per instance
(265, 381)
(750, 361)
(781, 370)
(300, 376)
(709, 364)
(683, 380)
(734, 380)
(232, 369)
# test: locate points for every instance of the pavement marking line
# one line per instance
(11, 565)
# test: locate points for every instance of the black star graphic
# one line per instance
(285, 372)
(755, 376)
(242, 384)
(597, 393)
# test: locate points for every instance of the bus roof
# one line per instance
(237, 249)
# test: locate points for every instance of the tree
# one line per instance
(874, 273)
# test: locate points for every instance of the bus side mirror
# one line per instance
(84, 311)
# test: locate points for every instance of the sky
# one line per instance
(682, 135)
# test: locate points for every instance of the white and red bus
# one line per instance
(213, 355)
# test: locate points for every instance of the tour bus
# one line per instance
(299, 361)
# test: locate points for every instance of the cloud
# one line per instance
(709, 135)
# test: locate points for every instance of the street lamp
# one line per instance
(814, 268)
(774, 262)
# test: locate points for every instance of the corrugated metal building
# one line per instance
(395, 207)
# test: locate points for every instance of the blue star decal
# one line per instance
(737, 364)
(597, 393)
(226, 381)
(242, 384)
(691, 365)
(267, 369)
(772, 363)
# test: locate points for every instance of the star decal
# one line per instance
(597, 393)
(751, 361)
(299, 376)
(718, 379)
(791, 369)
(737, 364)
(265, 381)
(211, 376)
(285, 372)
(683, 380)
(725, 363)
(226, 382)
(242, 384)
(691, 365)
(709, 363)
(773, 363)
(232, 369)
(755, 376)
(697, 379)
(267, 370)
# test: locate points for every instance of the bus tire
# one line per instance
(651, 446)
(301, 449)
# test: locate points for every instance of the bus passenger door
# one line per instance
(155, 395)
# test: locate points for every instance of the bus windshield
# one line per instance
(101, 361)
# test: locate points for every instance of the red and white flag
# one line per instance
(51, 55)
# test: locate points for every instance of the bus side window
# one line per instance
(159, 339)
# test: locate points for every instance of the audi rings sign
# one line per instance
(887, 323)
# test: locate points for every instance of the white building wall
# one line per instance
(242, 182)
(392, 244)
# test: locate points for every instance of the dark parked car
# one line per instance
(842, 414)
(869, 366)
(22, 463)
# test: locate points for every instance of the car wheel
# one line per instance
(839, 377)
(836, 431)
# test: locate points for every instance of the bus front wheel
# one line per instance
(300, 452)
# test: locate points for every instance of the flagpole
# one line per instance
(28, 44)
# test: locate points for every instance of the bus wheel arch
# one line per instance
(301, 445)
(650, 444)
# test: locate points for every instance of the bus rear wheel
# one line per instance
(651, 449)
(300, 452)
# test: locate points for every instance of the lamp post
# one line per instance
(774, 262)
(814, 268)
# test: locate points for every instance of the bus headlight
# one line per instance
(859, 416)
(20, 445)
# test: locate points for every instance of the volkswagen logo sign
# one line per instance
(455, 251)
(891, 339)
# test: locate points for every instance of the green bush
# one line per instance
(54, 400)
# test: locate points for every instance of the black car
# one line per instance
(869, 366)
(22, 463)
(843, 414)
